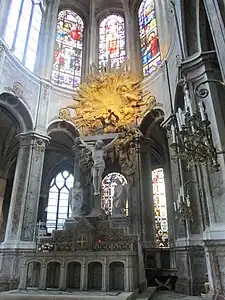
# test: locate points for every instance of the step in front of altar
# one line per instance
(60, 295)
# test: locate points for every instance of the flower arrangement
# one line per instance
(46, 247)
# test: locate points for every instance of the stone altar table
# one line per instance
(86, 256)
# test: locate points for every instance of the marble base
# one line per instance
(119, 222)
(191, 270)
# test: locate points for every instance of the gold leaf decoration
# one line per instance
(107, 101)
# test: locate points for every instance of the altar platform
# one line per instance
(34, 294)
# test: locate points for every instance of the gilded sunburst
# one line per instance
(107, 101)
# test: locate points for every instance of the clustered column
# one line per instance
(22, 216)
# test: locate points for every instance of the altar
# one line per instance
(88, 256)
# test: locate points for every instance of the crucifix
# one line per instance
(82, 241)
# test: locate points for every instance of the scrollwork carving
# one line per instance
(39, 147)
(17, 89)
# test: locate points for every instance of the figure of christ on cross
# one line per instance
(98, 153)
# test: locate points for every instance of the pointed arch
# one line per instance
(150, 49)
(68, 55)
(112, 42)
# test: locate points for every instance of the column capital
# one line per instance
(32, 135)
(37, 141)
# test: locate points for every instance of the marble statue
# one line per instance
(119, 199)
(76, 200)
(98, 152)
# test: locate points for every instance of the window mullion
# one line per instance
(57, 211)
(28, 34)
(17, 25)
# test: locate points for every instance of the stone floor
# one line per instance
(170, 295)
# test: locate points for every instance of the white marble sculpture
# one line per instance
(98, 153)
(76, 200)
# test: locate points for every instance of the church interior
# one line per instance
(112, 149)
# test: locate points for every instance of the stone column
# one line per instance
(92, 36)
(43, 276)
(47, 40)
(62, 278)
(148, 218)
(134, 184)
(24, 202)
(84, 276)
(2, 192)
(23, 277)
(132, 42)
(217, 28)
(105, 276)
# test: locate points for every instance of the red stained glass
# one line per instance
(150, 49)
(112, 41)
(67, 64)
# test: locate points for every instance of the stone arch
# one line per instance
(73, 276)
(105, 12)
(53, 274)
(154, 117)
(18, 110)
(58, 157)
(63, 126)
(95, 275)
(15, 118)
(33, 273)
(116, 276)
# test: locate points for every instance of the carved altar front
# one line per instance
(96, 255)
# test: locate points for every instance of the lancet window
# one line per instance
(114, 189)
(22, 30)
(112, 45)
(58, 208)
(67, 62)
(160, 208)
(150, 50)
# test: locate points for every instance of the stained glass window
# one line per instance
(114, 196)
(112, 41)
(160, 208)
(150, 50)
(58, 208)
(23, 28)
(67, 63)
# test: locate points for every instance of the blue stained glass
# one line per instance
(112, 41)
(150, 49)
(67, 64)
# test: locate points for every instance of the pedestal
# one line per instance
(119, 222)
(96, 210)
(71, 222)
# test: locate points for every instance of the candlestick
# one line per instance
(202, 111)
(178, 122)
(173, 134)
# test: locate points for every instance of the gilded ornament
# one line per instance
(107, 101)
